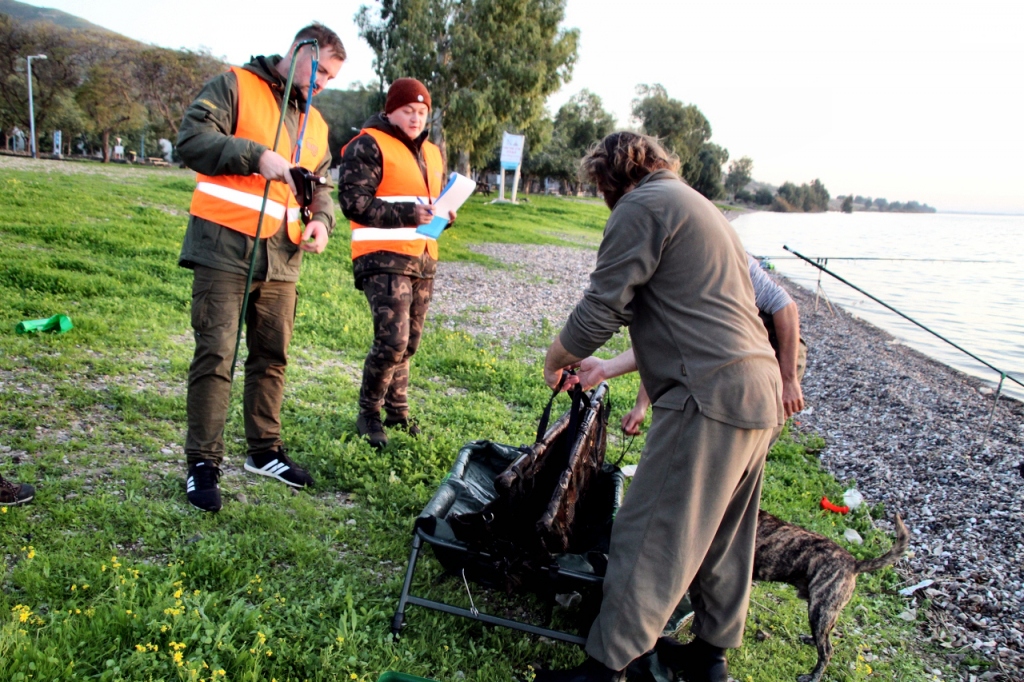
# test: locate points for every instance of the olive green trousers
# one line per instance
(269, 320)
(689, 521)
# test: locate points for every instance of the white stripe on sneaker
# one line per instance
(275, 468)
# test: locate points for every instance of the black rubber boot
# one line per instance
(696, 661)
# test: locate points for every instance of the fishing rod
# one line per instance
(286, 96)
(1003, 375)
(914, 260)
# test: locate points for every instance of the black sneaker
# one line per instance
(201, 486)
(405, 424)
(13, 494)
(275, 464)
(369, 427)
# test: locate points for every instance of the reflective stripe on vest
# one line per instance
(233, 201)
(401, 182)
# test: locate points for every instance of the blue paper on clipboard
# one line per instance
(455, 193)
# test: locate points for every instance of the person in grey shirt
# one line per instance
(672, 269)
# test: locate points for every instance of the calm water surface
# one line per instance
(979, 306)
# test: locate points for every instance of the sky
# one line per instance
(902, 99)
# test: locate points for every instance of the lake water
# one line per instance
(977, 305)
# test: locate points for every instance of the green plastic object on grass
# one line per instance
(401, 677)
(57, 323)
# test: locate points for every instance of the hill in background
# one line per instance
(30, 14)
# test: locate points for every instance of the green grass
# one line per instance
(110, 575)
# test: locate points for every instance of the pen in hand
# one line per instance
(423, 211)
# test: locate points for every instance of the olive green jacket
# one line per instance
(206, 143)
(671, 268)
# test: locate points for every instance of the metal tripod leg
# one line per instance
(398, 621)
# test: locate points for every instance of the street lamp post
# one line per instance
(31, 110)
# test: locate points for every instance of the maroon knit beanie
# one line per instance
(406, 91)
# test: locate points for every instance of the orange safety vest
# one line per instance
(401, 181)
(234, 201)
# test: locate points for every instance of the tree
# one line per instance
(682, 128)
(704, 171)
(109, 100)
(763, 197)
(489, 64)
(882, 204)
(345, 112)
(579, 123)
(685, 131)
(847, 204)
(168, 81)
(53, 79)
(739, 174)
(805, 198)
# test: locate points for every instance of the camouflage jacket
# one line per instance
(362, 167)
(206, 143)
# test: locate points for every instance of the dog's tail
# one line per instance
(890, 557)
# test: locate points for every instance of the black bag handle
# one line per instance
(545, 416)
(575, 415)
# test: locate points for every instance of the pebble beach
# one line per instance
(905, 430)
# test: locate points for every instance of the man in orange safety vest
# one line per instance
(389, 177)
(227, 137)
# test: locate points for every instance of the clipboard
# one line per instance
(453, 196)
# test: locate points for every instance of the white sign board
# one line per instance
(57, 142)
(512, 150)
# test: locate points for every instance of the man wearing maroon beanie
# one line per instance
(389, 178)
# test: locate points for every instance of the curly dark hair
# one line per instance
(621, 160)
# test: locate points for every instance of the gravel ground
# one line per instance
(907, 430)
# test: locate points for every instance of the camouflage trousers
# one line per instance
(399, 307)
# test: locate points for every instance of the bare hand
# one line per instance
(792, 397)
(552, 377)
(424, 213)
(314, 237)
(592, 372)
(633, 419)
(273, 166)
(451, 218)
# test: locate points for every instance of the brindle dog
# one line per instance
(823, 573)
